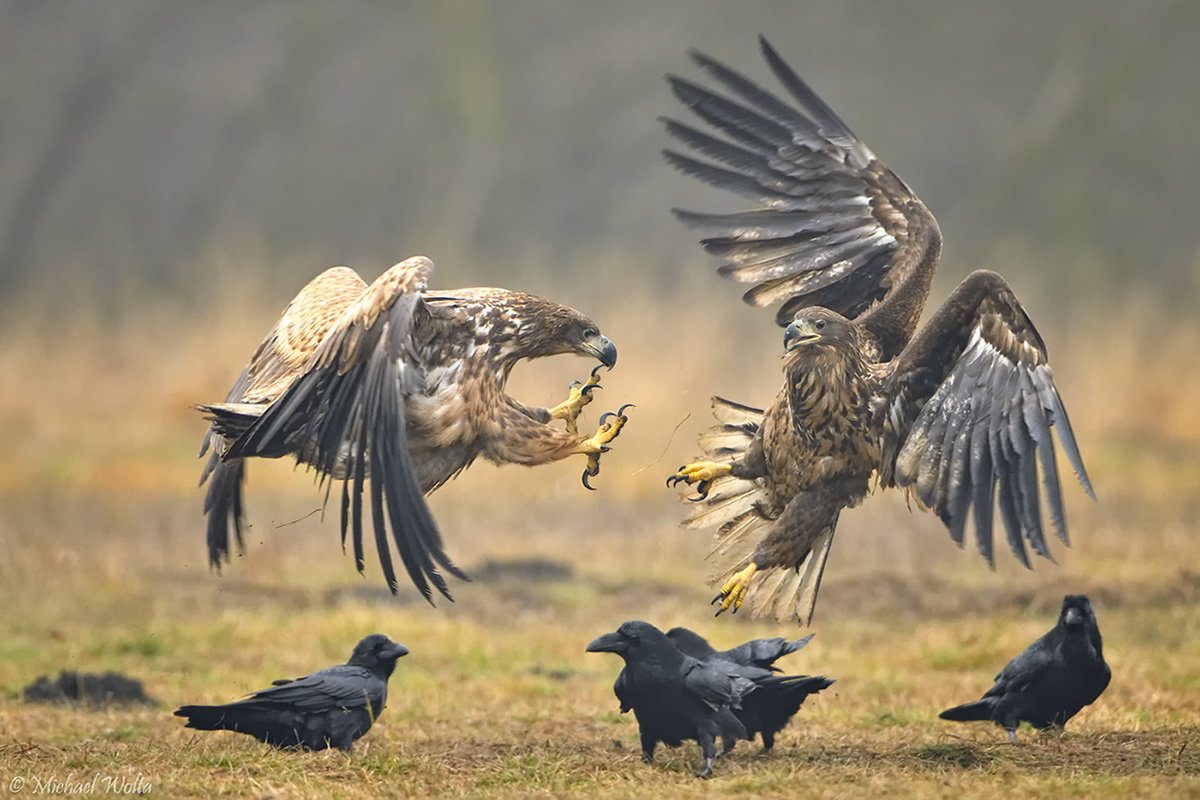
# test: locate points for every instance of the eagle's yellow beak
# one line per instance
(801, 331)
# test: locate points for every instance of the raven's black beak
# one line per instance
(397, 650)
(608, 643)
(1073, 616)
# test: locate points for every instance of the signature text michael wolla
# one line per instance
(72, 785)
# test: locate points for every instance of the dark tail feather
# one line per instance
(970, 712)
(223, 505)
(770, 707)
(209, 718)
(788, 693)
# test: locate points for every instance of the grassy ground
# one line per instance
(102, 567)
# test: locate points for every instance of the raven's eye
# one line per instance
(820, 324)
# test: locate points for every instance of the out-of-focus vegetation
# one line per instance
(171, 174)
(513, 141)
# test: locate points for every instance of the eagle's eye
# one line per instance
(589, 333)
(820, 324)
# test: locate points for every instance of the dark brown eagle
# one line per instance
(394, 390)
(958, 413)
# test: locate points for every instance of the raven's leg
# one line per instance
(648, 745)
(709, 748)
(768, 741)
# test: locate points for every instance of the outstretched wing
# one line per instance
(345, 415)
(277, 362)
(832, 225)
(966, 419)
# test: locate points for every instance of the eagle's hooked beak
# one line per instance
(604, 350)
(801, 331)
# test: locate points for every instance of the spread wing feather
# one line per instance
(969, 410)
(344, 413)
(833, 226)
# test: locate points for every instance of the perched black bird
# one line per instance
(329, 708)
(769, 708)
(1051, 681)
(675, 696)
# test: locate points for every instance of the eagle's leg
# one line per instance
(734, 591)
(580, 396)
(598, 443)
(702, 473)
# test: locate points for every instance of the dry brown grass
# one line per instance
(103, 568)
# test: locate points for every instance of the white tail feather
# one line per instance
(785, 593)
(731, 413)
(729, 498)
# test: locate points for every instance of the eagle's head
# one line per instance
(549, 329)
(817, 327)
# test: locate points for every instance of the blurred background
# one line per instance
(517, 141)
(172, 173)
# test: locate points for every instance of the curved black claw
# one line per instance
(586, 388)
(701, 491)
(596, 369)
(590, 471)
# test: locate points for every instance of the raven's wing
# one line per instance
(763, 653)
(1025, 668)
(621, 690)
(831, 224)
(969, 407)
(719, 684)
(343, 686)
(345, 415)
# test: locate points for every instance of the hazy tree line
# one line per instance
(139, 136)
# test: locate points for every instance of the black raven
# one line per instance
(771, 707)
(329, 708)
(1051, 681)
(675, 696)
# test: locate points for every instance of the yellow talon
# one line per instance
(733, 593)
(701, 473)
(580, 396)
(598, 443)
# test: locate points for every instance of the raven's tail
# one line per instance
(970, 712)
(209, 718)
(789, 692)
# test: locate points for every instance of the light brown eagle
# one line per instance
(958, 413)
(394, 390)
